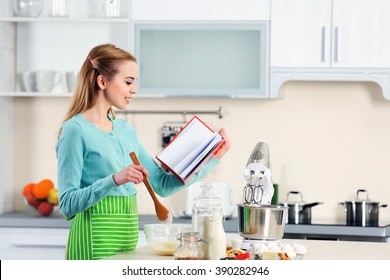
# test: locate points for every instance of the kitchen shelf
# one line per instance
(65, 20)
(70, 94)
(35, 94)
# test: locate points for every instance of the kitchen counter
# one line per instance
(29, 219)
(317, 250)
(313, 231)
(33, 220)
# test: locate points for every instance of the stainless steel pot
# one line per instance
(363, 213)
(264, 222)
(298, 212)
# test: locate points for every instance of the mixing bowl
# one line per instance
(264, 222)
(163, 238)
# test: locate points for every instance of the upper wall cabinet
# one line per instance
(299, 32)
(189, 10)
(330, 33)
(344, 40)
(202, 48)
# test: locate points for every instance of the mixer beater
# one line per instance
(259, 188)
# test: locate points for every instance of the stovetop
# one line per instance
(338, 232)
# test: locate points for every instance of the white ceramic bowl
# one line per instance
(162, 238)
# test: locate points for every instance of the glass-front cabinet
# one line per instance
(202, 59)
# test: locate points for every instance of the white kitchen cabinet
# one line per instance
(330, 40)
(330, 33)
(19, 243)
(33, 243)
(190, 10)
(362, 33)
(299, 32)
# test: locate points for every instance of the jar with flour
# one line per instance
(207, 219)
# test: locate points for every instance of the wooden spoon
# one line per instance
(162, 212)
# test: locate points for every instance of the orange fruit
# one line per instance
(28, 188)
(41, 190)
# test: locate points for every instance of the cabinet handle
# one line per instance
(336, 45)
(25, 245)
(323, 32)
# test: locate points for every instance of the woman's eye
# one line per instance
(129, 83)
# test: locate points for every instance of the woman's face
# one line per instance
(121, 88)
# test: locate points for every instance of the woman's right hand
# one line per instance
(132, 173)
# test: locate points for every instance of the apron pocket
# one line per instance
(113, 234)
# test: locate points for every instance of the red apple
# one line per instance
(31, 200)
(45, 208)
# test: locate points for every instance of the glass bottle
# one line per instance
(202, 212)
(217, 236)
(189, 248)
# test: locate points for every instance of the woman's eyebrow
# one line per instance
(130, 78)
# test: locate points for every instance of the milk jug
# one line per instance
(207, 220)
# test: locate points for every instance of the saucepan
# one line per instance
(362, 212)
(299, 212)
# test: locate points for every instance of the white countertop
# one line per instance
(317, 250)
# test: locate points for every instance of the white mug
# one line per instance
(71, 80)
(47, 80)
(113, 8)
(59, 8)
(30, 81)
(20, 82)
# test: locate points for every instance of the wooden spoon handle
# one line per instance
(161, 211)
(146, 181)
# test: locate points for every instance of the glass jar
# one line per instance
(28, 8)
(189, 248)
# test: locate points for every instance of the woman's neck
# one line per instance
(98, 116)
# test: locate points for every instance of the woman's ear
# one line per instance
(101, 82)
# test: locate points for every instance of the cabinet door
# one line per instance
(300, 33)
(362, 29)
(33, 243)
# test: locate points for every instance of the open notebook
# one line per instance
(190, 149)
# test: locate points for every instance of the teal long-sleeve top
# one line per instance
(88, 157)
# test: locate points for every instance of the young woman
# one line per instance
(96, 176)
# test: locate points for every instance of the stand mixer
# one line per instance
(259, 188)
(259, 221)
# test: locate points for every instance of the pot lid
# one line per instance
(300, 204)
(359, 199)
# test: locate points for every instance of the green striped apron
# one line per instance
(107, 228)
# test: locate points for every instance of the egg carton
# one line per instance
(277, 251)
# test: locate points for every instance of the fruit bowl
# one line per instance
(162, 238)
(43, 208)
(41, 198)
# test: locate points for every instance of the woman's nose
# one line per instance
(134, 89)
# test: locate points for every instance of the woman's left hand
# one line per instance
(226, 146)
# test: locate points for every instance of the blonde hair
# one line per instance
(101, 60)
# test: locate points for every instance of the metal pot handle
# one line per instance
(294, 192)
(361, 191)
